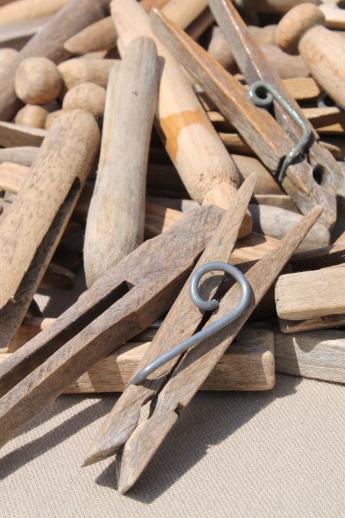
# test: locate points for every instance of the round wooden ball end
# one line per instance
(295, 24)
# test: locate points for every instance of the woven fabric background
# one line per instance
(274, 454)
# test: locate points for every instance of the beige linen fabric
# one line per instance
(275, 454)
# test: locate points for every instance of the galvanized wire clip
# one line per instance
(262, 94)
(203, 305)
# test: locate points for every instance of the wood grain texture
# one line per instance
(66, 156)
(266, 184)
(48, 43)
(276, 222)
(115, 222)
(181, 322)
(13, 313)
(314, 354)
(196, 364)
(16, 135)
(256, 126)
(249, 366)
(283, 201)
(305, 295)
(311, 324)
(193, 145)
(24, 155)
(255, 66)
(125, 301)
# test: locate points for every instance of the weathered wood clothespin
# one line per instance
(265, 136)
(115, 222)
(169, 388)
(32, 227)
(122, 303)
(311, 300)
(255, 66)
(206, 168)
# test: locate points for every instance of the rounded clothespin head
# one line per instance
(295, 24)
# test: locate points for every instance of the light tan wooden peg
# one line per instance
(302, 30)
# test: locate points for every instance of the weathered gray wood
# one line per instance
(180, 323)
(313, 294)
(201, 159)
(66, 156)
(314, 354)
(276, 222)
(125, 301)
(195, 365)
(32, 227)
(257, 127)
(115, 222)
(254, 66)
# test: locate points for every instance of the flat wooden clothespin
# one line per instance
(255, 66)
(262, 132)
(311, 300)
(122, 303)
(170, 388)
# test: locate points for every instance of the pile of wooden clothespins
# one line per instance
(188, 156)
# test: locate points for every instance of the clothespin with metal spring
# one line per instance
(325, 172)
(268, 139)
(168, 382)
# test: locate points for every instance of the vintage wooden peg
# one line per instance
(136, 442)
(31, 229)
(205, 167)
(181, 322)
(302, 29)
(120, 305)
(115, 223)
(314, 298)
(257, 127)
(325, 172)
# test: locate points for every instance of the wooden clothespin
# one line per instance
(266, 137)
(255, 66)
(32, 227)
(311, 300)
(170, 388)
(116, 216)
(118, 306)
(202, 161)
